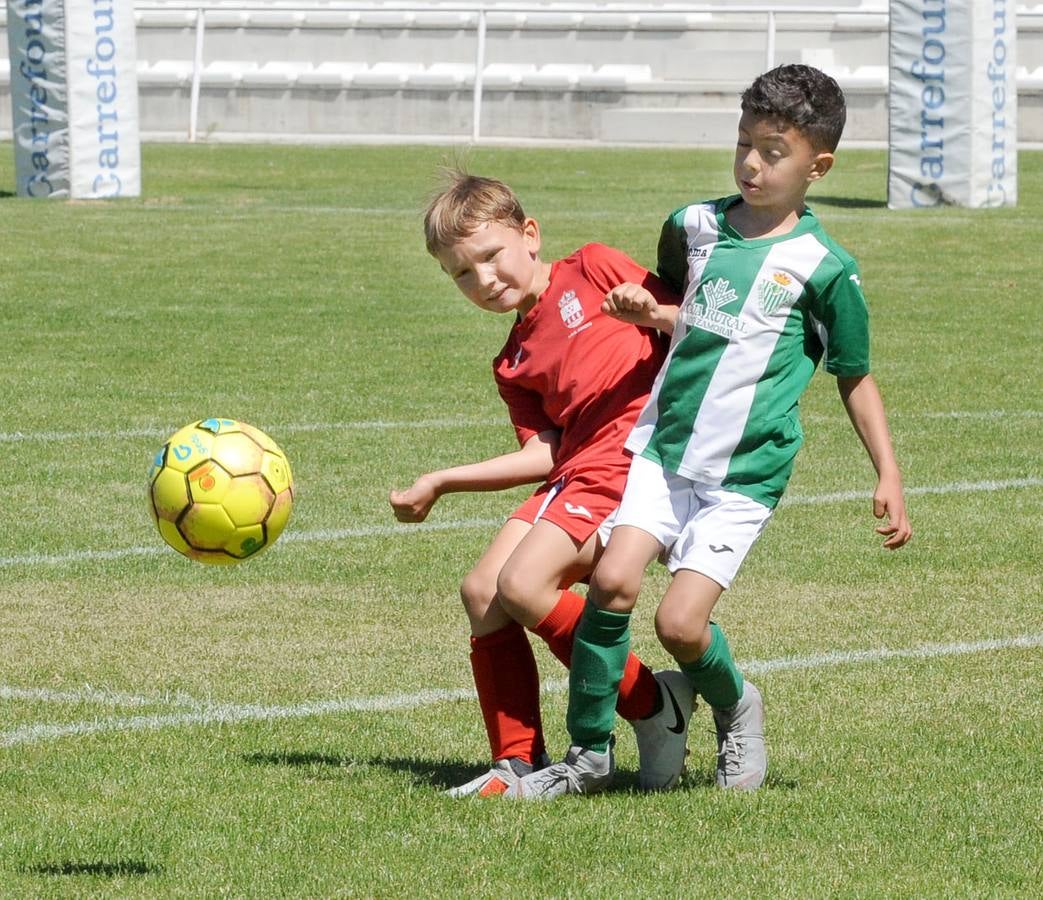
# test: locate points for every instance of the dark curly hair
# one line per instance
(804, 97)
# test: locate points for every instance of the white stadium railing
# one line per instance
(870, 16)
(473, 16)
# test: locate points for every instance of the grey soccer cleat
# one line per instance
(662, 739)
(582, 771)
(742, 759)
(503, 774)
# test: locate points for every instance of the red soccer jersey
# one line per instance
(568, 366)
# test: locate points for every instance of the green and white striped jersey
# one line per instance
(757, 317)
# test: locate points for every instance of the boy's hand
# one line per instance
(888, 501)
(414, 503)
(631, 303)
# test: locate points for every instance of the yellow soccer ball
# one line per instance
(220, 491)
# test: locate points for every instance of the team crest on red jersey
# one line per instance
(571, 309)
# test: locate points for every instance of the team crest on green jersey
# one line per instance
(773, 293)
(707, 315)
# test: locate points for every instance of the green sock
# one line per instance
(599, 655)
(714, 674)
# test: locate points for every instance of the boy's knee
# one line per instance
(514, 589)
(613, 587)
(477, 593)
(680, 634)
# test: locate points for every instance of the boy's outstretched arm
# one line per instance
(865, 408)
(532, 463)
(635, 304)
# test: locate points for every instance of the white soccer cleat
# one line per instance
(582, 771)
(742, 758)
(662, 739)
(503, 774)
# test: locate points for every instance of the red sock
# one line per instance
(638, 691)
(508, 686)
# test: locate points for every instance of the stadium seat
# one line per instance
(655, 20)
(165, 73)
(866, 77)
(379, 18)
(333, 75)
(164, 18)
(562, 76)
(610, 21)
(506, 75)
(553, 21)
(443, 75)
(386, 74)
(615, 76)
(216, 17)
(330, 18)
(505, 20)
(274, 18)
(445, 19)
(225, 73)
(275, 74)
(1029, 81)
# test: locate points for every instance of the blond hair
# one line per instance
(467, 202)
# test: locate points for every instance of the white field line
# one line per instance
(153, 431)
(98, 696)
(340, 534)
(15, 437)
(228, 714)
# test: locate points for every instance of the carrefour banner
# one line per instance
(36, 45)
(952, 104)
(74, 98)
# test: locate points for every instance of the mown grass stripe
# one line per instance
(338, 534)
(154, 431)
(230, 714)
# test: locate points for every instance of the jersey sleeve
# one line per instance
(605, 268)
(673, 252)
(525, 409)
(842, 319)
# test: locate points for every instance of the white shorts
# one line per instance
(702, 527)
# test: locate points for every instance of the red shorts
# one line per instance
(579, 502)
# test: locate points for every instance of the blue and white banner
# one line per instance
(74, 98)
(952, 104)
(36, 47)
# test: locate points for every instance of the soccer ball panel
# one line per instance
(260, 438)
(217, 426)
(208, 482)
(237, 453)
(247, 500)
(212, 557)
(173, 537)
(279, 515)
(187, 448)
(206, 526)
(169, 494)
(276, 470)
(247, 541)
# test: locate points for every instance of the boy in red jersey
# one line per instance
(574, 381)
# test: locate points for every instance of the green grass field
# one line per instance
(285, 728)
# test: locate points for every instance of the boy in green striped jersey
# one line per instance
(767, 295)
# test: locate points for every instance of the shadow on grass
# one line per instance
(106, 869)
(442, 774)
(437, 774)
(702, 781)
(846, 202)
